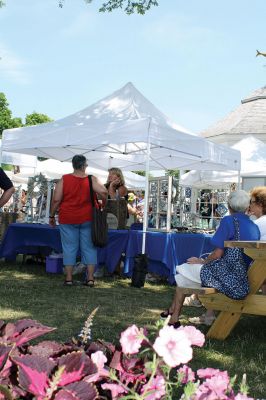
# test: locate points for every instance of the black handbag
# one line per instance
(140, 270)
(99, 227)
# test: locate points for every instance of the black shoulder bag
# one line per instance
(99, 227)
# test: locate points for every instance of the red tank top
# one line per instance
(75, 207)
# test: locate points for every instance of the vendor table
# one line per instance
(166, 250)
(159, 251)
(42, 238)
(231, 310)
(187, 245)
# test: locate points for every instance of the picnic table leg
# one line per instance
(226, 320)
(223, 325)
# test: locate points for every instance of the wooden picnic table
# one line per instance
(231, 310)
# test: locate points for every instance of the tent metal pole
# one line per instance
(238, 180)
(146, 202)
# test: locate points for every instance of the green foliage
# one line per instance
(173, 172)
(8, 122)
(7, 167)
(36, 118)
(6, 119)
(129, 6)
(141, 173)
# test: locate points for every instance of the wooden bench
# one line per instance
(231, 310)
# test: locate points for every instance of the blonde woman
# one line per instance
(116, 184)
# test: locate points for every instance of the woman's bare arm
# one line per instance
(214, 255)
(99, 188)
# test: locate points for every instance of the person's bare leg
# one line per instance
(263, 289)
(176, 306)
(90, 272)
(68, 271)
(209, 314)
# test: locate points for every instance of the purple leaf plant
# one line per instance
(139, 368)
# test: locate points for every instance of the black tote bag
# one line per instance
(99, 227)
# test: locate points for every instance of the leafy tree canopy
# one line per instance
(6, 119)
(129, 6)
(173, 172)
(36, 118)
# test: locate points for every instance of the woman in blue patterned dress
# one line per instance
(198, 272)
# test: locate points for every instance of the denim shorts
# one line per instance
(75, 238)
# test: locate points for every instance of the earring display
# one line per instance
(184, 209)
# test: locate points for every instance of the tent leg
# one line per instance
(146, 202)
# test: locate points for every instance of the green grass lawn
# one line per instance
(26, 291)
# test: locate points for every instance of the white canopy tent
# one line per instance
(123, 130)
(22, 160)
(54, 169)
(116, 131)
(17, 180)
(253, 161)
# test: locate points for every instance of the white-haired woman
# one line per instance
(195, 273)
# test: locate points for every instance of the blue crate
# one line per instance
(54, 265)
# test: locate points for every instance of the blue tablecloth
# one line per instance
(187, 245)
(164, 250)
(28, 238)
(159, 250)
(111, 254)
(42, 238)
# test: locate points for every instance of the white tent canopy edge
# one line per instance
(253, 161)
(124, 130)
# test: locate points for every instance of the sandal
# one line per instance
(89, 283)
(191, 302)
(165, 314)
(202, 320)
(175, 325)
(68, 283)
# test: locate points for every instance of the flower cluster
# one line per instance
(148, 365)
(171, 348)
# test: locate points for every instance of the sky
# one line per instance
(194, 60)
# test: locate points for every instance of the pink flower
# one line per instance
(98, 358)
(214, 388)
(185, 374)
(195, 336)
(131, 339)
(115, 389)
(173, 346)
(154, 389)
(210, 372)
(241, 396)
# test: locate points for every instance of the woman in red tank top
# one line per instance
(72, 199)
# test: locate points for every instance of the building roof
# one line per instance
(247, 119)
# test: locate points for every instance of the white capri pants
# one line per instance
(188, 275)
